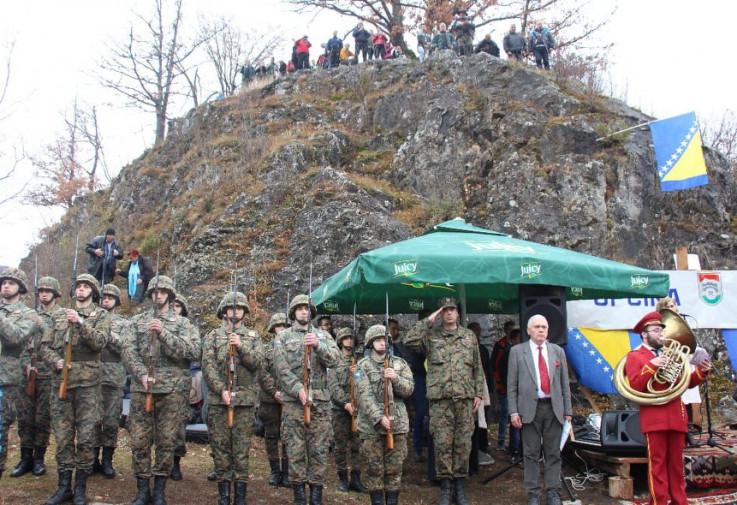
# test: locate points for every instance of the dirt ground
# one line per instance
(195, 489)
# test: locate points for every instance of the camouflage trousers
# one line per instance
(159, 428)
(383, 467)
(451, 427)
(230, 446)
(181, 448)
(112, 406)
(346, 442)
(7, 417)
(307, 446)
(75, 422)
(270, 415)
(34, 415)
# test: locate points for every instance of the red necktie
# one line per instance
(544, 377)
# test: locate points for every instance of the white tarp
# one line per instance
(708, 298)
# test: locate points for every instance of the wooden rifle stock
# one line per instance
(231, 377)
(149, 405)
(31, 384)
(387, 407)
(307, 366)
(354, 428)
(65, 371)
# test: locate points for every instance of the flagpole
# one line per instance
(625, 130)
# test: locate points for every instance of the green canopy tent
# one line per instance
(482, 267)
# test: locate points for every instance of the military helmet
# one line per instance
(17, 275)
(280, 318)
(161, 282)
(183, 302)
(227, 301)
(376, 331)
(343, 333)
(301, 300)
(91, 282)
(112, 290)
(50, 284)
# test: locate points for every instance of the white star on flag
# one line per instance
(598, 361)
(578, 337)
(679, 150)
(585, 344)
(606, 369)
(592, 352)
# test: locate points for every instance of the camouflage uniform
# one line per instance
(231, 445)
(173, 349)
(383, 466)
(307, 445)
(18, 324)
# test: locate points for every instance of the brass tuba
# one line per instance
(678, 344)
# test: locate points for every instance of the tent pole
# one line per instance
(462, 303)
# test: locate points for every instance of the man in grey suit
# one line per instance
(539, 399)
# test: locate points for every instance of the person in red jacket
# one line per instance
(302, 49)
(379, 40)
(664, 426)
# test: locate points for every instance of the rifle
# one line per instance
(31, 380)
(307, 365)
(67, 336)
(153, 348)
(231, 359)
(354, 427)
(387, 382)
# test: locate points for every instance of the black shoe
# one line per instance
(176, 470)
(212, 476)
(80, 487)
(25, 465)
(107, 462)
(392, 498)
(285, 473)
(553, 497)
(299, 494)
(343, 480)
(96, 466)
(224, 492)
(315, 494)
(376, 497)
(275, 478)
(356, 484)
(240, 492)
(143, 496)
(39, 466)
(445, 492)
(158, 497)
(63, 493)
(460, 492)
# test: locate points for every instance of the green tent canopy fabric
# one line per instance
(483, 267)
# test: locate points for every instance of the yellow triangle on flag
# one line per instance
(612, 344)
(690, 164)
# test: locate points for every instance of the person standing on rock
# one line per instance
(383, 465)
(34, 418)
(306, 409)
(138, 272)
(103, 252)
(270, 405)
(340, 382)
(540, 43)
(18, 325)
(362, 38)
(455, 388)
(157, 355)
(232, 356)
(514, 44)
(76, 414)
(302, 53)
(443, 40)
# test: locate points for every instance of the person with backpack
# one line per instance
(302, 52)
(333, 47)
(443, 39)
(362, 38)
(540, 43)
(464, 30)
(487, 46)
(514, 44)
(379, 40)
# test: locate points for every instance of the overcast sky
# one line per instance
(669, 57)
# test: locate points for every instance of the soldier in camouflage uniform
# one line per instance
(455, 386)
(307, 444)
(166, 343)
(383, 465)
(18, 325)
(113, 381)
(340, 382)
(75, 418)
(270, 404)
(233, 390)
(34, 417)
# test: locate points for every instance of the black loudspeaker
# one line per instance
(620, 431)
(548, 301)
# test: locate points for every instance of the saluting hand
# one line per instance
(431, 318)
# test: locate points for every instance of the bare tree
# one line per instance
(723, 136)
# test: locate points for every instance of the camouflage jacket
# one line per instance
(370, 391)
(88, 338)
(113, 371)
(454, 368)
(32, 353)
(289, 352)
(339, 382)
(173, 350)
(248, 360)
(18, 325)
(267, 372)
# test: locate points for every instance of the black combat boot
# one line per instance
(143, 496)
(96, 466)
(299, 494)
(80, 487)
(39, 465)
(315, 494)
(25, 465)
(64, 491)
(285, 473)
(460, 492)
(176, 469)
(392, 498)
(107, 462)
(356, 484)
(445, 492)
(376, 497)
(224, 492)
(275, 478)
(343, 480)
(240, 492)
(158, 497)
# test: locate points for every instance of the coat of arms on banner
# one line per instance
(710, 287)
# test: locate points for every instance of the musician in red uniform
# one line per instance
(664, 426)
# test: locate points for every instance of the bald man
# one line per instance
(539, 399)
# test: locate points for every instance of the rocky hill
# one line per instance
(324, 165)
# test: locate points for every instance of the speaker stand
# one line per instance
(713, 434)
